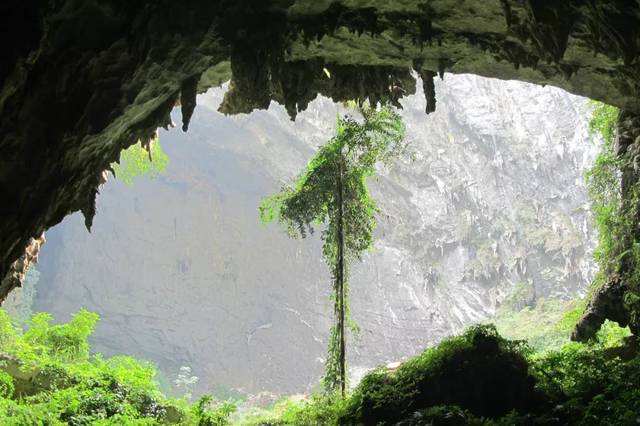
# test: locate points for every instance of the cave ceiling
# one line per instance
(83, 79)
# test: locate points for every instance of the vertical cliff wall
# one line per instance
(182, 273)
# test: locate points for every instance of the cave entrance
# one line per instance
(492, 213)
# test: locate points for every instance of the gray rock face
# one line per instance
(183, 273)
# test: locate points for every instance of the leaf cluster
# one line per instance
(352, 155)
(137, 161)
(48, 376)
(603, 184)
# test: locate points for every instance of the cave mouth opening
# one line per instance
(490, 220)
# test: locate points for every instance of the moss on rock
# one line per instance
(479, 370)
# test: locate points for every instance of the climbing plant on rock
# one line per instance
(603, 184)
(332, 191)
(614, 188)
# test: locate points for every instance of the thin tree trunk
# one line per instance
(340, 305)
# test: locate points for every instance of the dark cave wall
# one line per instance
(617, 297)
(81, 80)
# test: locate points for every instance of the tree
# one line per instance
(333, 191)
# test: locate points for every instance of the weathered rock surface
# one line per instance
(18, 270)
(81, 80)
(617, 296)
(182, 272)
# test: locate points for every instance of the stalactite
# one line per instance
(429, 89)
(188, 93)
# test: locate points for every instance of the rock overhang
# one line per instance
(83, 80)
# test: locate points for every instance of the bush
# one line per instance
(48, 376)
(479, 370)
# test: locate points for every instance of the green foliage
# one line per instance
(311, 201)
(136, 161)
(603, 184)
(208, 417)
(6, 385)
(616, 210)
(19, 304)
(479, 378)
(603, 121)
(66, 342)
(548, 324)
(478, 370)
(333, 191)
(317, 410)
(48, 376)
(543, 325)
(593, 383)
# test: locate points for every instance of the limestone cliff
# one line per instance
(182, 273)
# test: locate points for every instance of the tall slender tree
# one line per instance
(332, 191)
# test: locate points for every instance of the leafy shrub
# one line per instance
(66, 342)
(591, 383)
(478, 370)
(320, 409)
(48, 376)
(6, 385)
(207, 416)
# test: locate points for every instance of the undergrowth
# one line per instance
(49, 377)
(481, 378)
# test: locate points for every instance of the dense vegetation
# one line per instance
(603, 183)
(548, 324)
(614, 187)
(48, 376)
(482, 378)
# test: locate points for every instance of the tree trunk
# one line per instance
(340, 302)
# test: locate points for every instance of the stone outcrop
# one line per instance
(81, 80)
(606, 303)
(617, 299)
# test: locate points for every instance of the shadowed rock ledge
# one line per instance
(82, 80)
